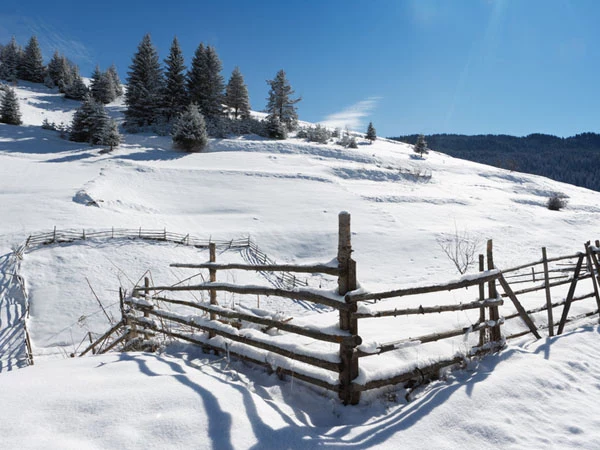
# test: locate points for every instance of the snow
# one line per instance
(285, 195)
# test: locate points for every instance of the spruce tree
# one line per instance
(189, 131)
(100, 122)
(101, 87)
(54, 68)
(66, 75)
(115, 80)
(144, 86)
(83, 127)
(76, 89)
(421, 145)
(176, 97)
(10, 58)
(205, 82)
(371, 133)
(111, 135)
(280, 102)
(32, 64)
(236, 95)
(9, 108)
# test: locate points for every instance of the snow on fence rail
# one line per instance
(335, 357)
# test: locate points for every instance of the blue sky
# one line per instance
(410, 66)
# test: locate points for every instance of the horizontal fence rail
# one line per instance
(149, 312)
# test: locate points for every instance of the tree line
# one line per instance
(193, 103)
(574, 160)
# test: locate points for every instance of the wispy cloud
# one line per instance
(352, 116)
(50, 38)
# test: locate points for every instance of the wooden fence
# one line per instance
(147, 312)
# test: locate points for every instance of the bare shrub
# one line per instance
(557, 201)
(460, 247)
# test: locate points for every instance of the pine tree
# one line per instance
(102, 87)
(189, 132)
(280, 103)
(100, 122)
(76, 89)
(32, 64)
(205, 82)
(144, 86)
(275, 129)
(10, 58)
(111, 136)
(236, 95)
(9, 108)
(371, 133)
(176, 97)
(421, 145)
(67, 75)
(55, 68)
(82, 127)
(115, 80)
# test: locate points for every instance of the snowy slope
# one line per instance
(286, 195)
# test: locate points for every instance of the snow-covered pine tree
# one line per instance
(144, 87)
(9, 108)
(176, 96)
(54, 69)
(76, 89)
(371, 133)
(205, 82)
(280, 103)
(115, 80)
(189, 131)
(32, 64)
(100, 121)
(111, 135)
(67, 74)
(83, 125)
(101, 86)
(276, 129)
(421, 146)
(236, 95)
(10, 58)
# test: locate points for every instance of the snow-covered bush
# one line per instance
(189, 131)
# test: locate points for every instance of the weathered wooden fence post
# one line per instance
(346, 283)
(146, 295)
(212, 273)
(547, 289)
(592, 265)
(495, 334)
(482, 332)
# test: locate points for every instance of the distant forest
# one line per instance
(574, 160)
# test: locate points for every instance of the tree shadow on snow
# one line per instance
(219, 426)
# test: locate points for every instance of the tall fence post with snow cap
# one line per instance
(346, 283)
(495, 335)
(212, 249)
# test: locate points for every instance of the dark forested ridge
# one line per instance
(574, 160)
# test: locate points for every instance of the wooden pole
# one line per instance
(346, 283)
(570, 295)
(212, 248)
(482, 332)
(548, 296)
(519, 307)
(147, 294)
(592, 257)
(495, 334)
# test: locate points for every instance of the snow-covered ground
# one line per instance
(286, 195)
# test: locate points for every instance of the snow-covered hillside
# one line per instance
(286, 195)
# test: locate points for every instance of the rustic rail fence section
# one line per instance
(331, 357)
